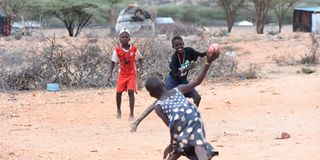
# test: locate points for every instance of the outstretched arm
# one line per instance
(188, 87)
(146, 112)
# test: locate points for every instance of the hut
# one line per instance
(306, 19)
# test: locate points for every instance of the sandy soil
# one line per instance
(243, 119)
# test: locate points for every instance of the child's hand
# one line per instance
(167, 151)
(213, 52)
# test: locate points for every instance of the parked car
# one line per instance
(137, 20)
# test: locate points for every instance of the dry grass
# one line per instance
(52, 56)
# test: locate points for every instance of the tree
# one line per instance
(11, 8)
(262, 8)
(280, 8)
(75, 14)
(111, 11)
(230, 8)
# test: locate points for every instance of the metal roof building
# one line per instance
(306, 19)
(164, 20)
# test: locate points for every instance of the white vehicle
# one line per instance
(137, 20)
(25, 26)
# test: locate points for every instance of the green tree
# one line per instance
(12, 9)
(75, 14)
(280, 9)
(110, 10)
(230, 8)
(262, 8)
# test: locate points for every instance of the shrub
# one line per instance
(85, 63)
(285, 60)
(312, 57)
(251, 73)
(220, 33)
(272, 32)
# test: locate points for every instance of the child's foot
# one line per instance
(131, 118)
(118, 114)
(134, 127)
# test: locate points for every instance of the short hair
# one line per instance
(176, 38)
(153, 84)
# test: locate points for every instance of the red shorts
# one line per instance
(127, 82)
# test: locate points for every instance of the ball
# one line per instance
(213, 48)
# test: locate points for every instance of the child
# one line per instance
(181, 62)
(182, 117)
(126, 55)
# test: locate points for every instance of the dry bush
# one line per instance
(156, 57)
(251, 73)
(176, 29)
(81, 63)
(285, 60)
(220, 33)
(313, 57)
(272, 32)
(18, 70)
(224, 66)
(84, 64)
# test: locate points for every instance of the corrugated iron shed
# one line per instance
(309, 9)
(164, 20)
(306, 19)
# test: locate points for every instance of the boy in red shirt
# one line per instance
(126, 55)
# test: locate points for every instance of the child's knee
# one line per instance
(130, 92)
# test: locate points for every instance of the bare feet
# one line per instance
(131, 117)
(118, 114)
(134, 126)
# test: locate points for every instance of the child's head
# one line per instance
(177, 44)
(155, 87)
(124, 36)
